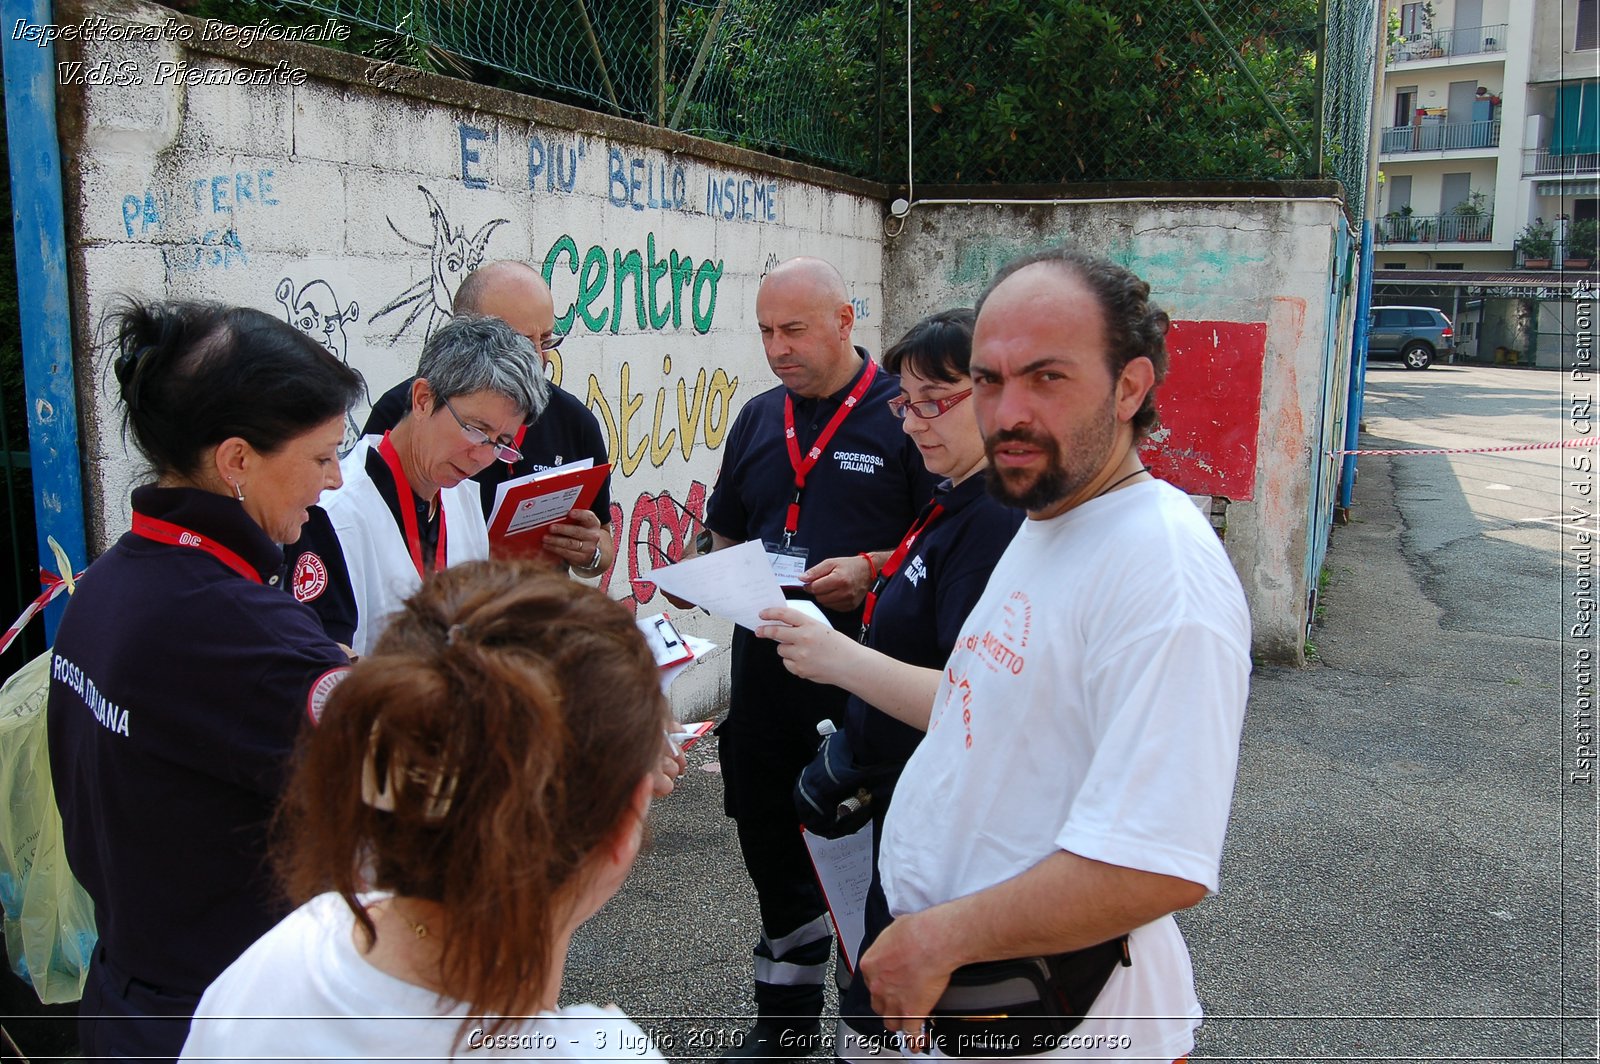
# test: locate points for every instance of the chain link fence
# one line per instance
(972, 92)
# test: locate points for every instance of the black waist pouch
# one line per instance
(1021, 1007)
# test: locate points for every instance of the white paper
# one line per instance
(734, 583)
(543, 509)
(506, 485)
(700, 647)
(844, 868)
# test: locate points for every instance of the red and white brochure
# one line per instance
(525, 508)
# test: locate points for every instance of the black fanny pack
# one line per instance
(1021, 1007)
(834, 796)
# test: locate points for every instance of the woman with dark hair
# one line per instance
(920, 594)
(182, 669)
(477, 789)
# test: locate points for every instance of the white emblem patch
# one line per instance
(322, 690)
(310, 578)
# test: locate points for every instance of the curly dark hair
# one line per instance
(1134, 328)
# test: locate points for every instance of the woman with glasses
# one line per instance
(918, 598)
(408, 506)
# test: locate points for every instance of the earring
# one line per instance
(238, 492)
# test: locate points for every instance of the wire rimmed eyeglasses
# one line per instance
(503, 449)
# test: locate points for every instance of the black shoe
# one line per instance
(774, 1040)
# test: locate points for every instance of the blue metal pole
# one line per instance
(40, 230)
(1358, 366)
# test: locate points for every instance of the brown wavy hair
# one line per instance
(531, 701)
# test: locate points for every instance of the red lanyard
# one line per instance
(791, 520)
(408, 510)
(178, 536)
(929, 515)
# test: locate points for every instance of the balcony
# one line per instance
(1448, 43)
(1447, 228)
(1540, 162)
(1439, 136)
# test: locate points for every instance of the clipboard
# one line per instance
(525, 508)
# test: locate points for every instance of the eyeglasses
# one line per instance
(553, 341)
(926, 409)
(479, 438)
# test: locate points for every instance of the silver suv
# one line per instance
(1414, 335)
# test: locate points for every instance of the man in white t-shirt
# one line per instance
(1075, 782)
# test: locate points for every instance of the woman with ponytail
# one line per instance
(476, 790)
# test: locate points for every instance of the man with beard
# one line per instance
(1073, 790)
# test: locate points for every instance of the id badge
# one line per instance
(787, 564)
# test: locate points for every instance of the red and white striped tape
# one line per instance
(1587, 441)
(54, 586)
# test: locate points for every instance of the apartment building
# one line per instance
(1488, 147)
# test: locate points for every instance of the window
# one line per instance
(1420, 318)
(1391, 319)
(1394, 265)
(1405, 105)
(1588, 25)
(1449, 265)
(1411, 20)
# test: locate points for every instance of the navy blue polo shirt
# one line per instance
(566, 432)
(178, 689)
(861, 495)
(923, 606)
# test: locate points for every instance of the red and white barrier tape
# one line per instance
(53, 586)
(1587, 441)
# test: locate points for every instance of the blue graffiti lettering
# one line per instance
(470, 156)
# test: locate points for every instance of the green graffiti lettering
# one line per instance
(623, 267)
(590, 284)
(656, 270)
(566, 245)
(705, 277)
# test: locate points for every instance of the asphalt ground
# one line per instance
(1407, 874)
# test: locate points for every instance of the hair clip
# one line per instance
(380, 783)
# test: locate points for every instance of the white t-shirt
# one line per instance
(303, 990)
(1093, 703)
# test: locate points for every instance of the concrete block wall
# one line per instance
(1251, 277)
(365, 207)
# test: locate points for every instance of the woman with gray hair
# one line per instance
(408, 506)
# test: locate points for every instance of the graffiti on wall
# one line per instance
(197, 222)
(686, 413)
(318, 313)
(453, 255)
(594, 287)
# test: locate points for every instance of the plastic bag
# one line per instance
(49, 920)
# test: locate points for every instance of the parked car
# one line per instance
(1414, 335)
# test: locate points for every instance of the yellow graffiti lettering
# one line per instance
(689, 413)
(661, 448)
(630, 406)
(722, 389)
(708, 415)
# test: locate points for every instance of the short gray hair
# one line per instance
(482, 354)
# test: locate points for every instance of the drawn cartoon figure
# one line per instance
(315, 311)
(454, 256)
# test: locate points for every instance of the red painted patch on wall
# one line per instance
(1210, 406)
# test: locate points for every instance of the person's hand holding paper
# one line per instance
(735, 583)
